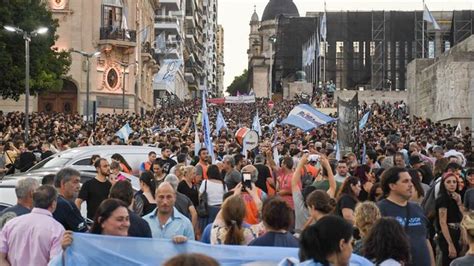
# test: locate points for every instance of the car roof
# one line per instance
(90, 150)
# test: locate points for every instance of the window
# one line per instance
(85, 161)
(112, 14)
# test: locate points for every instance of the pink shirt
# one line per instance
(31, 239)
(284, 181)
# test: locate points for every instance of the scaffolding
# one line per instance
(462, 26)
(378, 49)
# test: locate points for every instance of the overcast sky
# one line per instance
(234, 16)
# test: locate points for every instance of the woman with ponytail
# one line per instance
(228, 227)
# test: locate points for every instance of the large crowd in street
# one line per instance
(407, 198)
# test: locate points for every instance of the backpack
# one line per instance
(429, 201)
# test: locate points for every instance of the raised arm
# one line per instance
(332, 181)
(296, 179)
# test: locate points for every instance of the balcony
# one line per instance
(118, 37)
(147, 52)
(189, 77)
(171, 5)
(167, 23)
(170, 52)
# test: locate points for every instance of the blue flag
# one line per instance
(256, 124)
(124, 132)
(206, 129)
(272, 124)
(306, 117)
(220, 123)
(364, 120)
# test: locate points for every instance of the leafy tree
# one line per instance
(47, 65)
(240, 84)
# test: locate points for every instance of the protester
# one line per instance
(468, 225)
(277, 218)
(228, 227)
(347, 199)
(232, 176)
(68, 184)
(396, 184)
(24, 191)
(387, 243)
(328, 242)
(187, 186)
(191, 259)
(33, 238)
(366, 215)
(122, 190)
(146, 166)
(450, 212)
(95, 190)
(124, 166)
(145, 198)
(166, 221)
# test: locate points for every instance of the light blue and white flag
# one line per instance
(323, 29)
(197, 141)
(427, 16)
(256, 124)
(364, 120)
(306, 117)
(206, 129)
(220, 123)
(124, 132)
(338, 151)
(273, 124)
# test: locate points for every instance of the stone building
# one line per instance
(121, 30)
(220, 61)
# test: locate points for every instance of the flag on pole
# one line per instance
(197, 141)
(458, 131)
(338, 151)
(273, 124)
(364, 153)
(427, 16)
(364, 120)
(323, 28)
(256, 124)
(124, 132)
(220, 123)
(206, 129)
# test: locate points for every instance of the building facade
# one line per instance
(121, 75)
(220, 61)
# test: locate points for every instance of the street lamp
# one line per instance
(88, 56)
(124, 65)
(27, 37)
(272, 40)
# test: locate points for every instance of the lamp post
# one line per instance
(88, 56)
(27, 37)
(272, 40)
(124, 65)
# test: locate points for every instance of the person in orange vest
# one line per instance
(201, 166)
(146, 166)
(253, 201)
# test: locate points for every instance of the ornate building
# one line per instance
(261, 44)
(220, 61)
(122, 31)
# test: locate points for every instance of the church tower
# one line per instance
(254, 37)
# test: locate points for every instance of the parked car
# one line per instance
(79, 158)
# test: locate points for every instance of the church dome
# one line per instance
(275, 8)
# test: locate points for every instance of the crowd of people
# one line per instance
(406, 199)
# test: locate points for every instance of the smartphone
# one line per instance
(246, 180)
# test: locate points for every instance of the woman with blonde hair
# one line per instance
(366, 214)
(468, 227)
(187, 186)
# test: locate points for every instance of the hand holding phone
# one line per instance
(246, 181)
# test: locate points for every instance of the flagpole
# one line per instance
(423, 33)
(325, 44)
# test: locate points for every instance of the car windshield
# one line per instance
(51, 162)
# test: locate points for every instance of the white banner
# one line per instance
(240, 99)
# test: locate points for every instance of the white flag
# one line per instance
(256, 124)
(427, 16)
(458, 131)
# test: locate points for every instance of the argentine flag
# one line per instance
(124, 132)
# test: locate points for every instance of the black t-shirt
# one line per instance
(274, 239)
(46, 154)
(263, 174)
(94, 192)
(454, 215)
(167, 164)
(191, 193)
(344, 202)
(182, 204)
(417, 228)
(138, 226)
(27, 160)
(147, 206)
(69, 216)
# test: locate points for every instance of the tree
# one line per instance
(47, 65)
(240, 84)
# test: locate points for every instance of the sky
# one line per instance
(234, 16)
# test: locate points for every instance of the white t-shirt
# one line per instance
(215, 192)
(390, 262)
